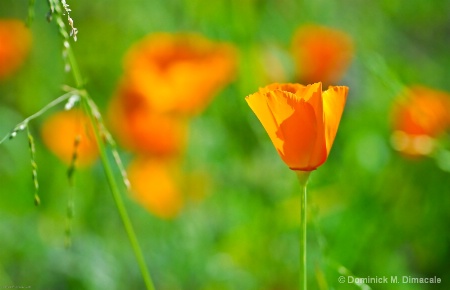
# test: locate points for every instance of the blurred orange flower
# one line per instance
(179, 72)
(154, 185)
(321, 54)
(301, 121)
(141, 129)
(60, 131)
(15, 42)
(420, 115)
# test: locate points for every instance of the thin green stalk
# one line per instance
(118, 199)
(303, 177)
(99, 136)
(30, 12)
(24, 124)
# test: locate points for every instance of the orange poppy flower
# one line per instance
(60, 131)
(420, 115)
(15, 41)
(301, 121)
(154, 185)
(179, 72)
(139, 128)
(321, 54)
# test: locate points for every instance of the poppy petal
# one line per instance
(288, 87)
(321, 53)
(173, 71)
(297, 125)
(258, 104)
(333, 105)
(296, 118)
(59, 132)
(313, 95)
(299, 132)
(154, 185)
(15, 43)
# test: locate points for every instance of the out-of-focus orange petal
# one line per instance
(420, 116)
(158, 133)
(333, 105)
(321, 53)
(141, 129)
(15, 42)
(154, 185)
(60, 131)
(180, 72)
(422, 111)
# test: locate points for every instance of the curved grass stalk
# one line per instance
(24, 124)
(101, 135)
(117, 196)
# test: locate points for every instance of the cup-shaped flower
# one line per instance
(154, 184)
(179, 73)
(301, 121)
(141, 129)
(70, 132)
(420, 115)
(321, 54)
(15, 41)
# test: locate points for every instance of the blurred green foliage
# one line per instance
(372, 210)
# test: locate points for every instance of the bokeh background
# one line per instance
(373, 210)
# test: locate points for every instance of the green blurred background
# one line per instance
(371, 209)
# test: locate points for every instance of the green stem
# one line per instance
(118, 200)
(30, 12)
(24, 123)
(109, 174)
(303, 177)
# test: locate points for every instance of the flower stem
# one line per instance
(303, 177)
(118, 199)
(100, 137)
